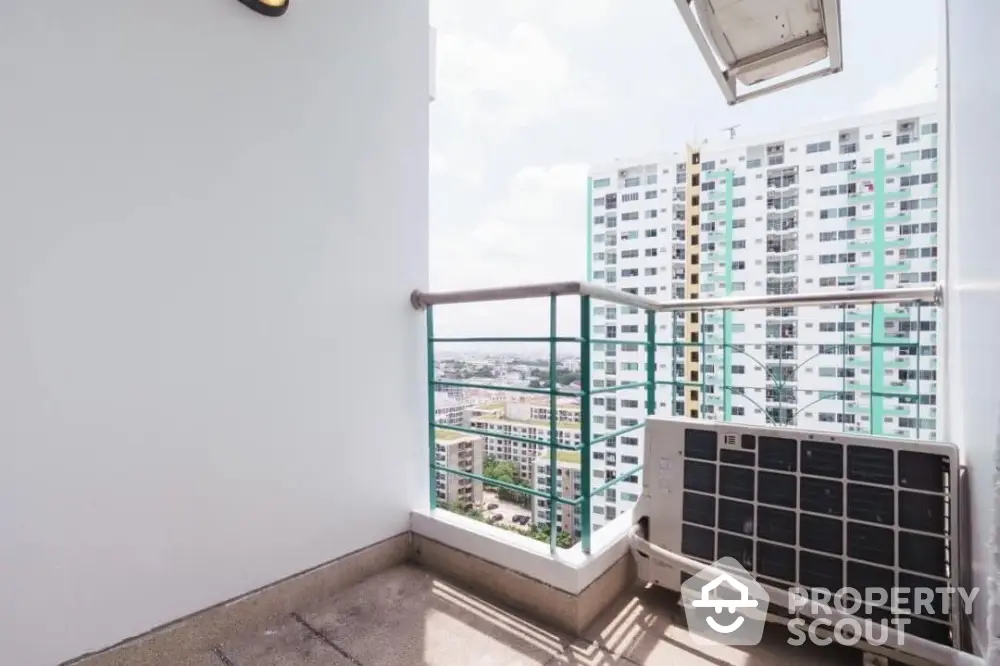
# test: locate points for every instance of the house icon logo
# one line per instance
(725, 605)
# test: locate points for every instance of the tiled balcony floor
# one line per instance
(410, 617)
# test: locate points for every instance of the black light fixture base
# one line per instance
(266, 9)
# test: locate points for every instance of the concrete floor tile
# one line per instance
(588, 653)
(649, 628)
(409, 617)
(289, 645)
(204, 659)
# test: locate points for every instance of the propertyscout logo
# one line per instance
(906, 601)
(725, 605)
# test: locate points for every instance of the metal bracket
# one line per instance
(726, 78)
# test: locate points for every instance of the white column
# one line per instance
(970, 93)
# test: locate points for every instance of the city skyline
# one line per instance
(530, 317)
(527, 103)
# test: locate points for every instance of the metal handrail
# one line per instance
(932, 295)
(421, 299)
(588, 292)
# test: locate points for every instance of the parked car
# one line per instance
(496, 517)
(492, 505)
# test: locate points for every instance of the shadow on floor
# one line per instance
(648, 627)
(410, 617)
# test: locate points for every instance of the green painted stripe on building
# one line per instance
(876, 415)
(590, 230)
(727, 315)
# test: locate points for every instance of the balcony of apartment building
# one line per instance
(217, 418)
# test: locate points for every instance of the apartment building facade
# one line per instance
(851, 204)
(466, 453)
(450, 410)
(537, 408)
(515, 439)
(568, 486)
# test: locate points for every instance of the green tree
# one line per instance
(540, 378)
(505, 472)
(500, 470)
(470, 510)
(538, 532)
(564, 377)
(541, 533)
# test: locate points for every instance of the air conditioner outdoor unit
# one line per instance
(805, 510)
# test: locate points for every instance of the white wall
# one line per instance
(210, 224)
(972, 302)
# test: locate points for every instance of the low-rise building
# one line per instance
(465, 453)
(449, 410)
(538, 408)
(506, 438)
(568, 486)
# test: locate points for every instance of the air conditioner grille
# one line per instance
(825, 535)
(736, 482)
(871, 504)
(870, 543)
(777, 453)
(777, 489)
(699, 509)
(870, 465)
(921, 512)
(818, 512)
(821, 496)
(822, 459)
(776, 525)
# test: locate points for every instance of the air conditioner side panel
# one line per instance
(663, 484)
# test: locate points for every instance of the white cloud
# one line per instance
(917, 87)
(456, 165)
(561, 13)
(534, 232)
(569, 13)
(511, 83)
(504, 75)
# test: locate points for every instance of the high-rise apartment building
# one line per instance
(850, 204)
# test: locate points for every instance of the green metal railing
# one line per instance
(582, 502)
(781, 376)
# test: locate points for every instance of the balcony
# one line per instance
(208, 389)
(860, 246)
(454, 588)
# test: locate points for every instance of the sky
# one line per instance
(531, 92)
